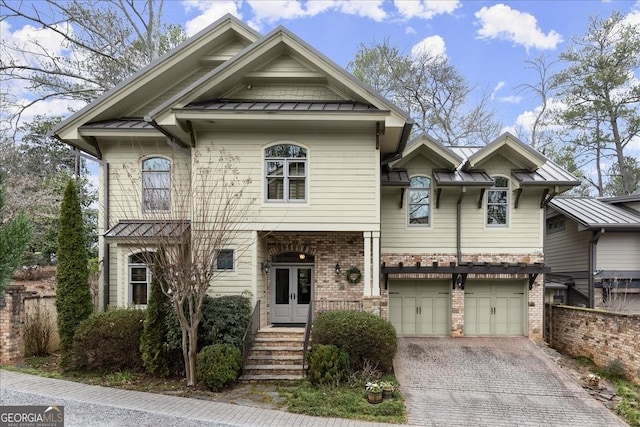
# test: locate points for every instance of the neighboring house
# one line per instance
(348, 214)
(593, 248)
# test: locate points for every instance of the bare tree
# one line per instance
(208, 210)
(102, 42)
(431, 90)
(543, 89)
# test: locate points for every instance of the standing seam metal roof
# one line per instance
(592, 213)
(279, 105)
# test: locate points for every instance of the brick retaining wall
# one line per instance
(12, 316)
(599, 335)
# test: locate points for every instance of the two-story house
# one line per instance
(593, 248)
(346, 213)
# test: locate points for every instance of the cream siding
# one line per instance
(125, 179)
(342, 179)
(286, 92)
(618, 251)
(568, 250)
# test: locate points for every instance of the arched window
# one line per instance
(156, 184)
(285, 173)
(498, 202)
(419, 200)
(140, 278)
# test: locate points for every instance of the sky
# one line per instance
(487, 41)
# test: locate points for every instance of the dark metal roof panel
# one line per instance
(445, 178)
(548, 174)
(395, 178)
(277, 105)
(593, 213)
(147, 229)
(120, 124)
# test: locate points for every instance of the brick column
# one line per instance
(12, 317)
(457, 313)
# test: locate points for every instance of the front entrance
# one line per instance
(291, 288)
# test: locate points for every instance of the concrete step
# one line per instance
(276, 351)
(262, 369)
(269, 359)
(270, 378)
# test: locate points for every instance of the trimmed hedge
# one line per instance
(363, 336)
(108, 341)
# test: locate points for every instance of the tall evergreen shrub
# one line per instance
(152, 341)
(73, 296)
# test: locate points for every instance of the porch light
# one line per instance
(266, 265)
(302, 256)
(459, 281)
(337, 268)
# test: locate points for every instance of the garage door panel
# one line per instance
(494, 308)
(419, 307)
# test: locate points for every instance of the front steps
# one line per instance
(276, 355)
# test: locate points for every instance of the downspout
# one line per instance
(593, 242)
(105, 245)
(459, 224)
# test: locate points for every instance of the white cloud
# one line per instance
(503, 23)
(425, 9)
(210, 12)
(496, 89)
(433, 46)
(510, 99)
(410, 30)
(268, 12)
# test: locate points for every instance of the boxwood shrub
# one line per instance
(328, 365)
(362, 335)
(218, 365)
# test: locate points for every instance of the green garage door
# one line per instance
(420, 307)
(494, 308)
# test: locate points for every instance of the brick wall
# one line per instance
(599, 335)
(12, 315)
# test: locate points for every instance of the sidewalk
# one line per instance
(159, 404)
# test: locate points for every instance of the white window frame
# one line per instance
(130, 282)
(144, 201)
(286, 178)
(488, 203)
(428, 204)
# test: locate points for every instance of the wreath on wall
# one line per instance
(353, 275)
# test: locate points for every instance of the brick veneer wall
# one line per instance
(347, 249)
(599, 335)
(12, 315)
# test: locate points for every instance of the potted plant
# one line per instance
(374, 392)
(387, 389)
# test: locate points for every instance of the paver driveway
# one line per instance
(491, 382)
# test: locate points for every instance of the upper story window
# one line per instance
(285, 173)
(156, 184)
(555, 225)
(419, 199)
(498, 202)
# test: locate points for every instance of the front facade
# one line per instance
(342, 210)
(593, 248)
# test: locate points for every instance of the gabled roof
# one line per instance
(594, 214)
(208, 46)
(440, 154)
(510, 147)
(548, 174)
(194, 85)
